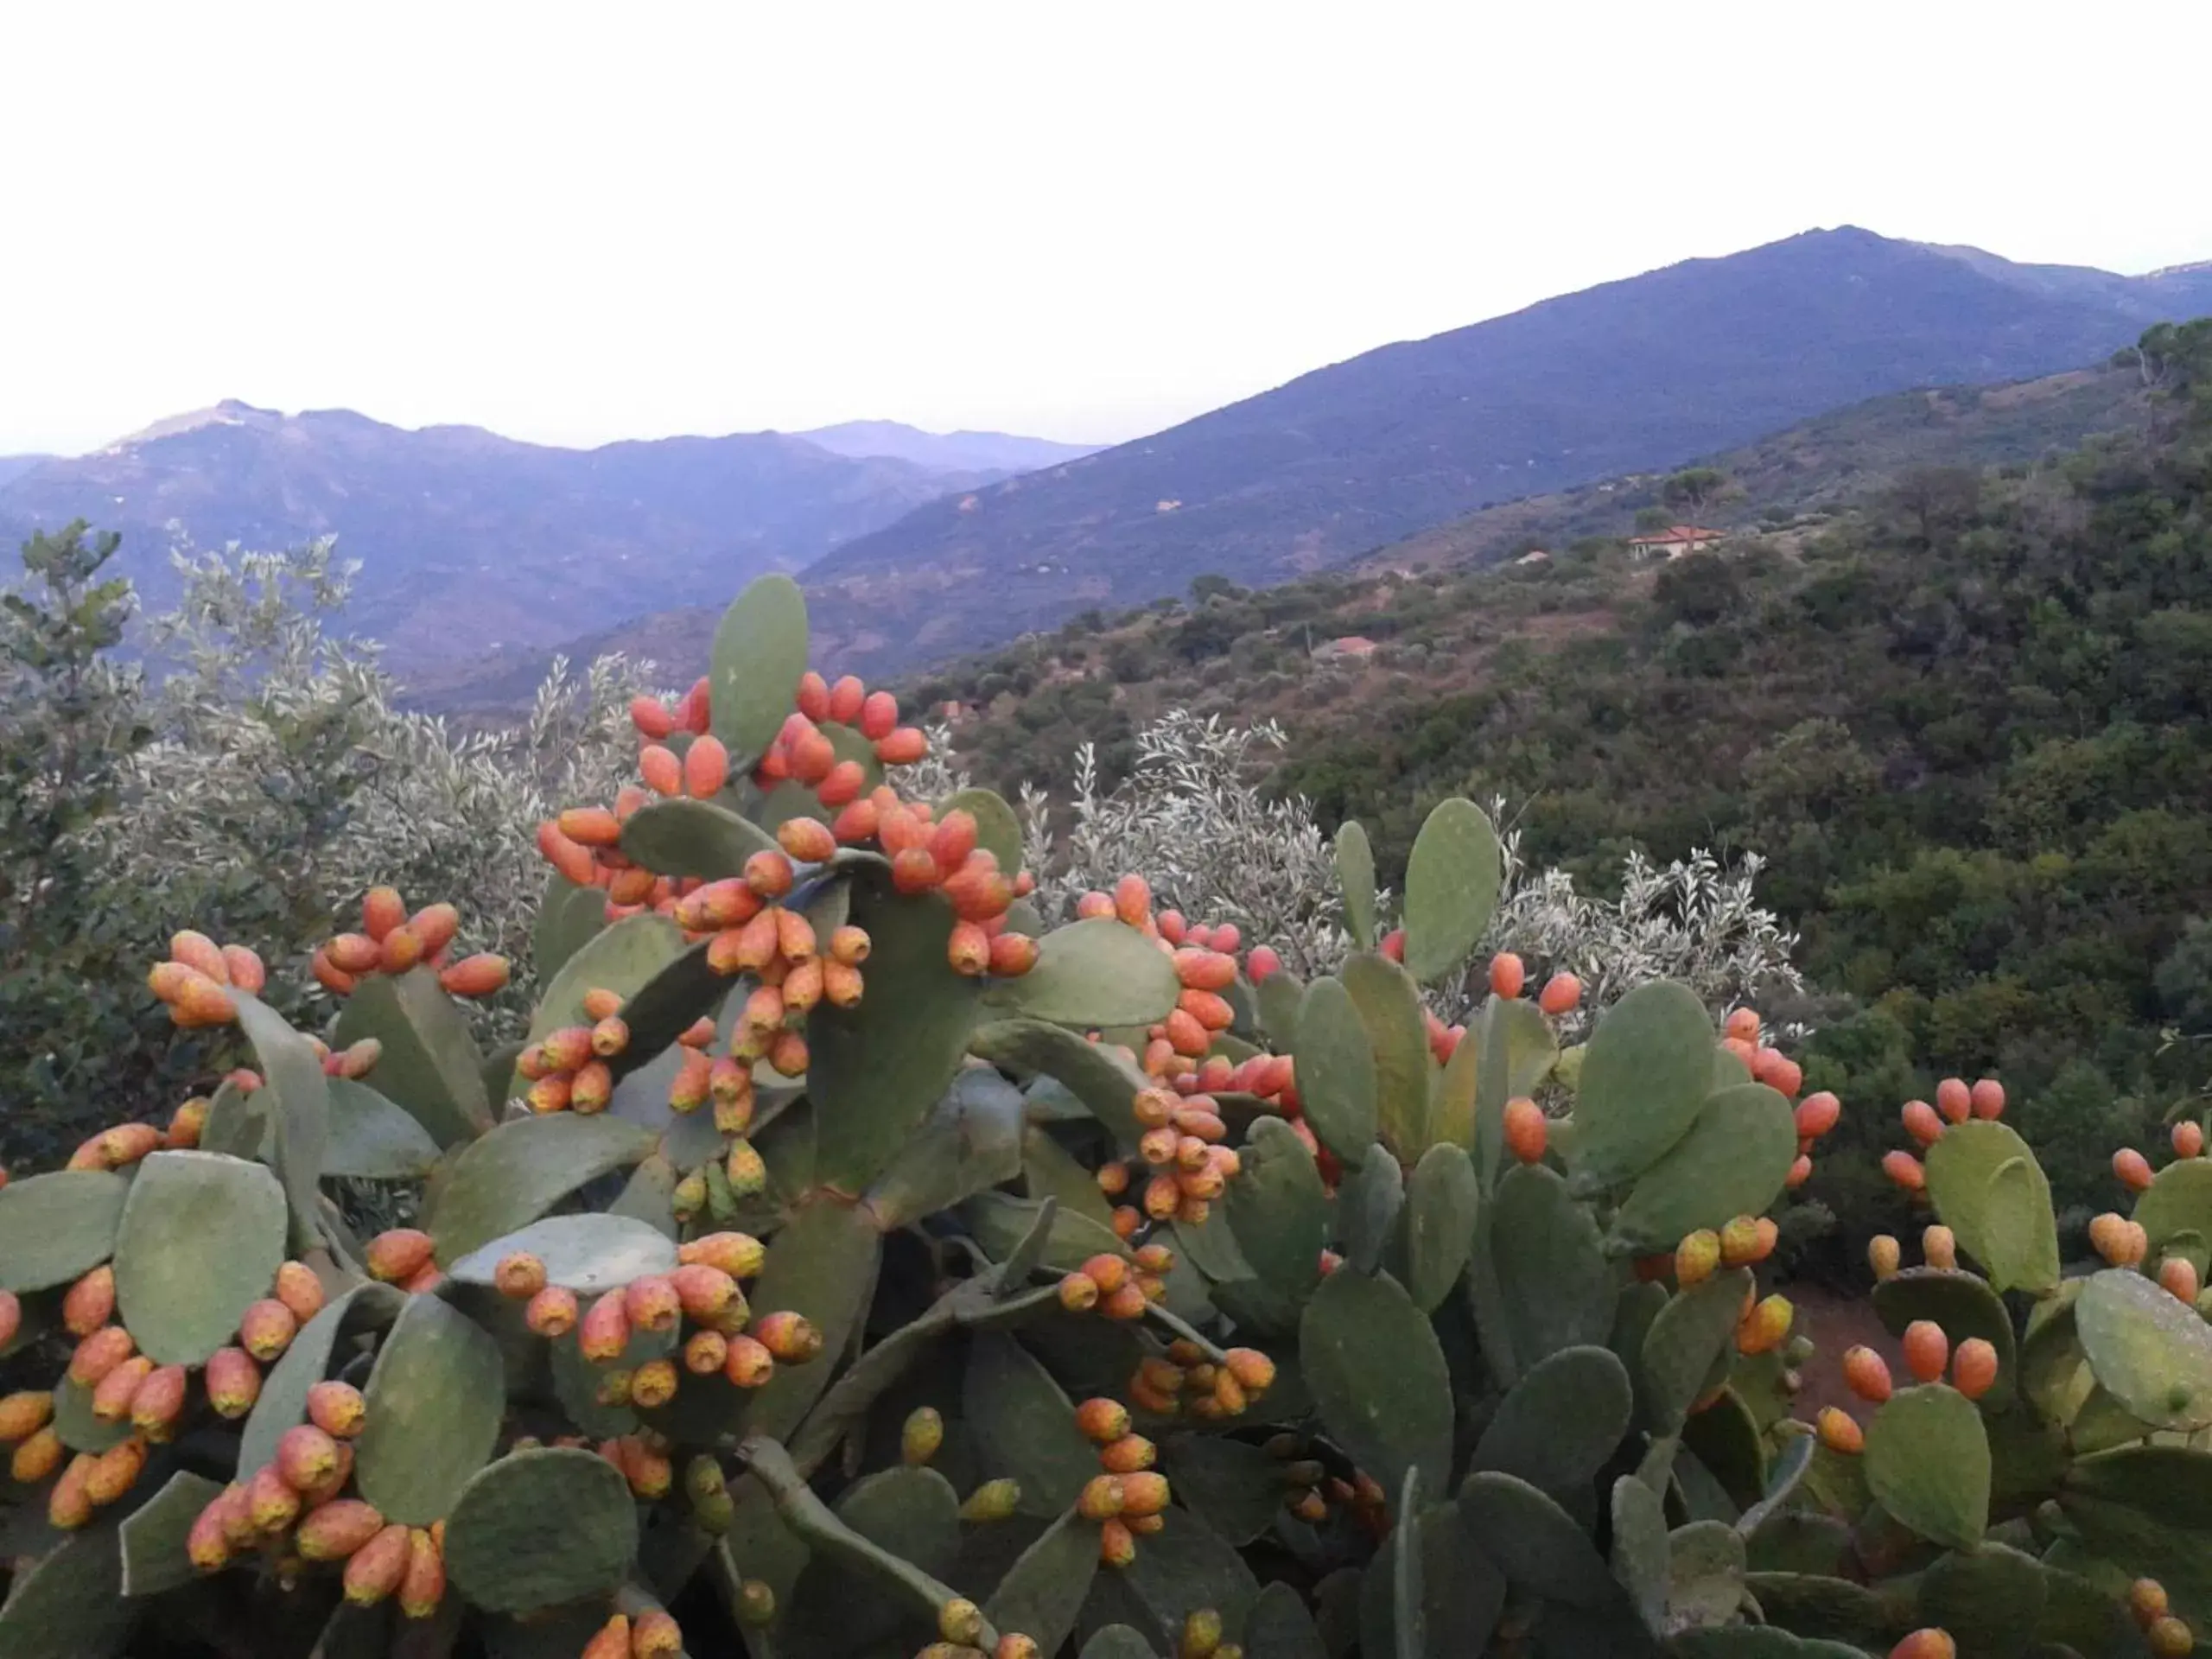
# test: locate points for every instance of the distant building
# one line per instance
(1353, 645)
(1674, 541)
(1533, 556)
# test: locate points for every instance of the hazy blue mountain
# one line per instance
(957, 452)
(16, 465)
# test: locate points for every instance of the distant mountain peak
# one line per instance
(231, 411)
(962, 452)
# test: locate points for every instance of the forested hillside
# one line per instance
(1970, 726)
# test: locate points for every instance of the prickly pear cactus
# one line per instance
(855, 1262)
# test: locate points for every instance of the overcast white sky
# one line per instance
(573, 222)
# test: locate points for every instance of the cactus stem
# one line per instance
(1159, 1316)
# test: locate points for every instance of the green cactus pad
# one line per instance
(1452, 881)
(1726, 1441)
(1991, 1601)
(2179, 1199)
(649, 1196)
(1368, 1200)
(1555, 1288)
(293, 1077)
(1279, 997)
(1116, 1642)
(1378, 1377)
(1000, 1224)
(760, 653)
(152, 1539)
(1647, 1071)
(1103, 1076)
(1277, 1209)
(1337, 1083)
(58, 1227)
(2005, 1225)
(436, 1398)
(1514, 1050)
(1390, 1009)
(680, 836)
(822, 1264)
(1535, 1542)
(620, 959)
(1757, 1641)
(1278, 1627)
(1558, 1425)
(1732, 1162)
(429, 1064)
(283, 1401)
(202, 1237)
(1024, 1424)
(70, 1605)
(1183, 1568)
(2172, 1483)
(1690, 1334)
(239, 1123)
(1926, 1462)
(2120, 1533)
(666, 1006)
(998, 830)
(508, 1179)
(568, 917)
(1705, 1574)
(1232, 1485)
(372, 1139)
(2149, 1351)
(577, 1383)
(1356, 881)
(540, 1527)
(1826, 1605)
(1441, 1199)
(971, 1141)
(878, 1067)
(586, 1254)
(73, 1420)
(1642, 1560)
(1091, 974)
(1452, 1090)
(838, 1605)
(1964, 1306)
(1402, 1555)
(1043, 1590)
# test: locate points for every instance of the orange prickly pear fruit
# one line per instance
(768, 873)
(69, 1506)
(273, 1505)
(952, 840)
(743, 1169)
(2178, 1275)
(590, 826)
(1742, 1242)
(1128, 1454)
(969, 950)
(1562, 993)
(167, 979)
(184, 1126)
(1867, 1374)
(903, 746)
(842, 786)
(1817, 1114)
(2146, 1599)
(1143, 1493)
(299, 1290)
(159, 1402)
(202, 1002)
(356, 953)
(111, 1397)
(1974, 1367)
(1013, 955)
(813, 696)
(847, 698)
(662, 770)
(688, 1090)
(2132, 1168)
(306, 1457)
(1103, 1420)
(98, 1354)
(246, 969)
(701, 1290)
(1696, 1257)
(266, 1328)
(739, 1255)
(606, 1329)
(1133, 901)
(434, 925)
(1929, 1643)
(848, 945)
(653, 1385)
(1101, 1498)
(519, 1274)
(807, 840)
(336, 1408)
(787, 1055)
(1923, 1122)
(422, 1586)
(328, 975)
(1126, 1303)
(38, 1456)
(402, 948)
(1954, 1100)
(978, 890)
(233, 1381)
(1526, 1131)
(381, 909)
(90, 1303)
(791, 1337)
(207, 1546)
(705, 1352)
(551, 1093)
(1927, 1350)
(23, 1414)
(612, 1641)
(795, 939)
(374, 1570)
(913, 871)
(1254, 1371)
(1765, 1326)
(1986, 1098)
(1078, 1292)
(398, 1253)
(1109, 1272)
(115, 1471)
(879, 715)
(1507, 976)
(655, 1635)
(552, 1313)
(2188, 1139)
(11, 1316)
(337, 1529)
(1906, 1170)
(198, 952)
(1882, 1254)
(2168, 1639)
(813, 757)
(480, 975)
(1800, 1172)
(651, 717)
(749, 1364)
(1939, 1247)
(1838, 1432)
(706, 767)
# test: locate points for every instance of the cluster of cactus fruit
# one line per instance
(1028, 1289)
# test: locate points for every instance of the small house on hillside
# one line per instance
(1352, 646)
(1674, 541)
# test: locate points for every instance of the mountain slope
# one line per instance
(16, 465)
(1622, 378)
(467, 540)
(974, 452)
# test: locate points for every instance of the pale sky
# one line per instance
(578, 222)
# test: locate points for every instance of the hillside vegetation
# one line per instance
(1969, 725)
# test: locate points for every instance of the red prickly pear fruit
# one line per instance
(519, 1274)
(978, 890)
(706, 767)
(374, 1570)
(813, 696)
(2146, 1599)
(159, 1402)
(1906, 1170)
(90, 1303)
(266, 1329)
(1986, 1098)
(856, 823)
(791, 1337)
(1974, 1367)
(952, 838)
(422, 1586)
(1013, 955)
(739, 1255)
(787, 1055)
(903, 746)
(1954, 1100)
(807, 840)
(481, 975)
(749, 1364)
(299, 1290)
(198, 952)
(1562, 993)
(606, 1329)
(1840, 1432)
(1103, 1420)
(1394, 944)
(847, 698)
(1929, 1641)
(207, 1546)
(651, 717)
(1507, 976)
(1133, 901)
(768, 873)
(813, 757)
(337, 1529)
(1262, 963)
(1817, 1114)
(612, 1641)
(1867, 1375)
(969, 950)
(2132, 1168)
(2188, 1139)
(879, 716)
(398, 1253)
(381, 909)
(434, 925)
(1923, 1122)
(111, 1398)
(1526, 1131)
(1092, 906)
(695, 709)
(98, 1354)
(1927, 1350)
(306, 1458)
(663, 775)
(273, 1505)
(913, 871)
(552, 1313)
(2178, 1273)
(842, 786)
(703, 1291)
(336, 1408)
(233, 1381)
(246, 969)
(402, 948)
